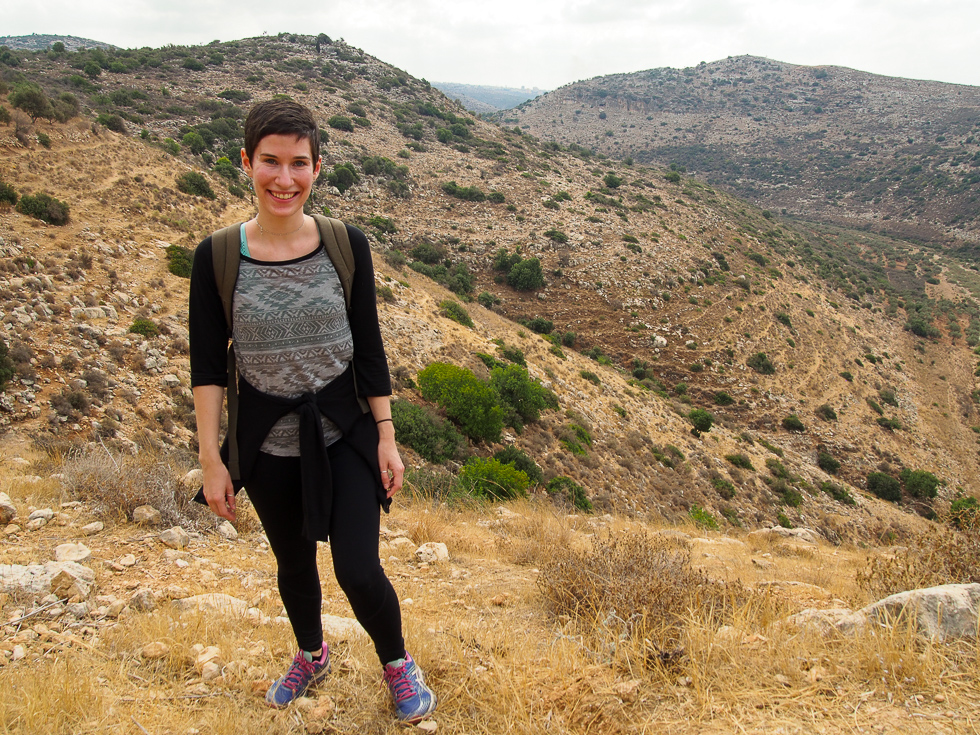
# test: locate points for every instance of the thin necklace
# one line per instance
(264, 232)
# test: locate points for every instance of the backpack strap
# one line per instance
(333, 234)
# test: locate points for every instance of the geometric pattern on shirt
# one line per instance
(291, 335)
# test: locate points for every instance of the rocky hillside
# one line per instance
(889, 155)
(821, 355)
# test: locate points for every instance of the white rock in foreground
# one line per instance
(215, 602)
(947, 611)
(72, 552)
(432, 552)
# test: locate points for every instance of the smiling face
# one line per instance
(282, 171)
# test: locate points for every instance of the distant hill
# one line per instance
(896, 155)
(481, 99)
(43, 41)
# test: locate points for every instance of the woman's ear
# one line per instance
(316, 169)
(246, 164)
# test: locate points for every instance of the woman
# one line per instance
(298, 348)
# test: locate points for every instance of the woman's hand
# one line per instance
(219, 490)
(390, 462)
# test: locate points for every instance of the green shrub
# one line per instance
(574, 491)
(195, 142)
(889, 424)
(777, 468)
(492, 479)
(740, 460)
(783, 520)
(590, 376)
(888, 397)
(226, 169)
(827, 412)
(44, 207)
(722, 398)
(702, 518)
(523, 397)
(724, 487)
(466, 193)
(455, 311)
(875, 406)
(44, 139)
(575, 438)
(339, 122)
(539, 324)
(514, 354)
(920, 483)
(846, 375)
(6, 365)
(171, 146)
(838, 493)
(526, 275)
(467, 399)
(611, 180)
(8, 195)
(191, 182)
(343, 176)
(146, 327)
(827, 463)
(964, 512)
(522, 462)
(884, 486)
(419, 428)
(556, 236)
(793, 423)
(783, 318)
(115, 123)
(701, 420)
(761, 364)
(179, 260)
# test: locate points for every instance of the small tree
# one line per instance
(702, 421)
(466, 399)
(44, 207)
(492, 479)
(30, 98)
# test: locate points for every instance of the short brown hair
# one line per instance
(281, 117)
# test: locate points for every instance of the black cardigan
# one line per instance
(259, 411)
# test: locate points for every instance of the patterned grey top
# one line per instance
(291, 335)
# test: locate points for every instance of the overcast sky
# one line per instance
(548, 43)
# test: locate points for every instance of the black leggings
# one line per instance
(274, 489)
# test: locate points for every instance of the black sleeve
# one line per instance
(370, 361)
(206, 322)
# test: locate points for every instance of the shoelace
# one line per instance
(300, 668)
(401, 685)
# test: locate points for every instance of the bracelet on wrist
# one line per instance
(383, 420)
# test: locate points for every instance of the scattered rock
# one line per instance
(175, 538)
(432, 552)
(72, 552)
(70, 580)
(833, 620)
(401, 543)
(7, 510)
(155, 650)
(93, 528)
(341, 629)
(427, 726)
(227, 530)
(147, 515)
(777, 533)
(192, 480)
(45, 514)
(143, 601)
(128, 561)
(627, 690)
(214, 601)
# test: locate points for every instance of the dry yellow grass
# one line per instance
(480, 626)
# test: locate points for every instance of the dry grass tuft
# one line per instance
(114, 485)
(634, 586)
(938, 556)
